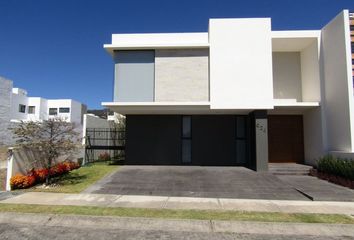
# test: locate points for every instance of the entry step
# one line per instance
(289, 169)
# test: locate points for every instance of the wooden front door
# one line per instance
(285, 139)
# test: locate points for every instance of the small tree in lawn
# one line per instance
(51, 138)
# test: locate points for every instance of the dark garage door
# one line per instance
(158, 140)
(285, 139)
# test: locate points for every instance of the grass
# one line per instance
(180, 214)
(3, 153)
(2, 179)
(78, 180)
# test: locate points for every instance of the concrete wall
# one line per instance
(241, 63)
(337, 99)
(75, 114)
(313, 136)
(310, 73)
(41, 109)
(19, 96)
(5, 110)
(22, 160)
(182, 75)
(92, 121)
(287, 75)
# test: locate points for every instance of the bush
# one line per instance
(20, 181)
(34, 176)
(40, 174)
(104, 156)
(336, 166)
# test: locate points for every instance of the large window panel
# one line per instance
(134, 76)
(186, 139)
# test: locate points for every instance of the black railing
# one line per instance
(104, 144)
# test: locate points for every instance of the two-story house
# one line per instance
(239, 94)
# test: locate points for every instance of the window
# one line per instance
(186, 139)
(53, 111)
(64, 110)
(134, 68)
(31, 109)
(241, 149)
(22, 108)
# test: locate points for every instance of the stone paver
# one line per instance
(194, 181)
(319, 190)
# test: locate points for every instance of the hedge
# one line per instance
(35, 176)
(336, 166)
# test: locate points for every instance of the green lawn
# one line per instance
(180, 214)
(78, 180)
(3, 153)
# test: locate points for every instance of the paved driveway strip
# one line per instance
(217, 182)
(164, 202)
(194, 181)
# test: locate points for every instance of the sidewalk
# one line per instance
(159, 202)
(171, 225)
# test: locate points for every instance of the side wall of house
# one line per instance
(337, 88)
(5, 110)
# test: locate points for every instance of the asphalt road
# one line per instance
(21, 231)
(54, 227)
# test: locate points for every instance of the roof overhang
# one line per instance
(293, 41)
(190, 108)
(157, 41)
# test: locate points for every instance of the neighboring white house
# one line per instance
(16, 106)
(25, 108)
(239, 94)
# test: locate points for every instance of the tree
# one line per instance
(52, 138)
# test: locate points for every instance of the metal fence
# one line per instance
(104, 144)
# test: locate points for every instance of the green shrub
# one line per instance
(336, 166)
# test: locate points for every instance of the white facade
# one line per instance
(240, 64)
(251, 67)
(24, 108)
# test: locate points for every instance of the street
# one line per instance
(56, 227)
(21, 231)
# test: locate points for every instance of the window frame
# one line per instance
(30, 111)
(243, 139)
(56, 111)
(186, 139)
(22, 108)
(61, 108)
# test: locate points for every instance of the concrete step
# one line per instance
(289, 169)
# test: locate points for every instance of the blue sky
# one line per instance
(53, 48)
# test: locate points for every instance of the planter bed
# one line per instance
(332, 178)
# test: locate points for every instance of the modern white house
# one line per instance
(16, 106)
(239, 94)
(24, 108)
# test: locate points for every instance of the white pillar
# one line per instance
(10, 160)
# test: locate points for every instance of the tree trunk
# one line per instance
(49, 165)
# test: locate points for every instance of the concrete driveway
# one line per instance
(217, 182)
(194, 181)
